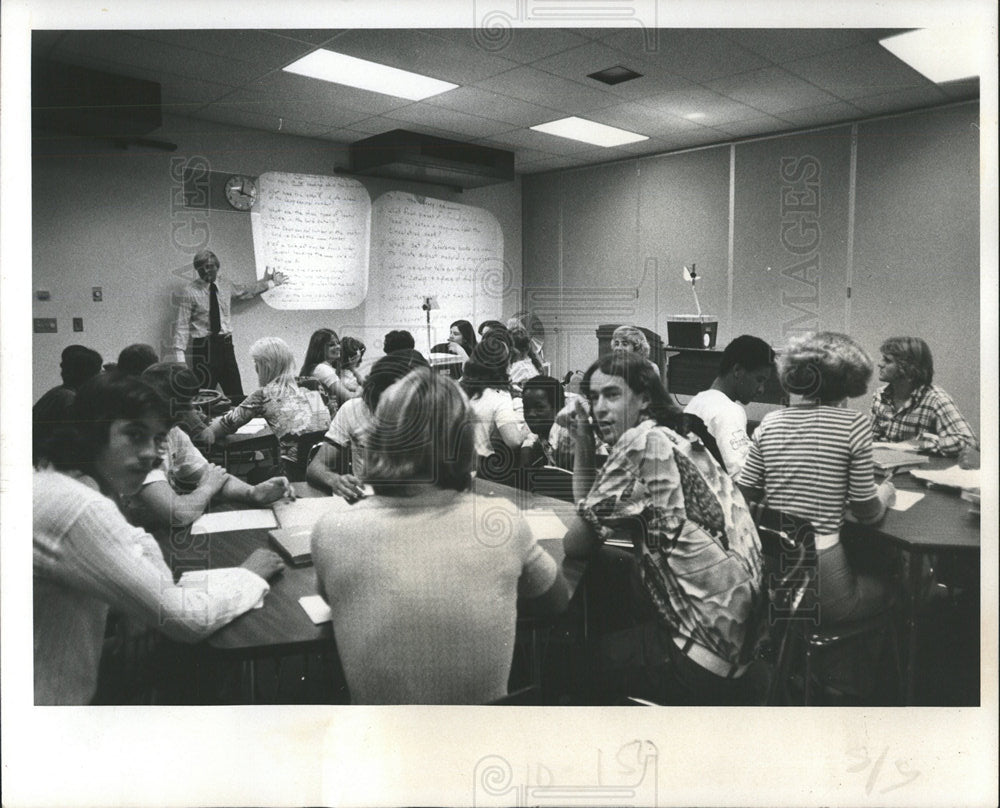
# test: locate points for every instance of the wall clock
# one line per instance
(241, 191)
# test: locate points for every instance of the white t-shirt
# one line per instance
(726, 421)
(490, 411)
(348, 428)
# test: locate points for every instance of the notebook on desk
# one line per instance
(887, 460)
(293, 544)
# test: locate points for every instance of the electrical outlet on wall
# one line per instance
(78, 324)
(97, 293)
(43, 294)
(46, 325)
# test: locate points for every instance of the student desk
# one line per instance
(939, 523)
(282, 628)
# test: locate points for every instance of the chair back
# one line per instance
(694, 424)
(307, 442)
(788, 544)
(548, 481)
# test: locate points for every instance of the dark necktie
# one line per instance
(214, 319)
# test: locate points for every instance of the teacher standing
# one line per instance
(203, 317)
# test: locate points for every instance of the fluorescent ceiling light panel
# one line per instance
(589, 132)
(941, 54)
(341, 69)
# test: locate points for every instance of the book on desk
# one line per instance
(886, 460)
(293, 544)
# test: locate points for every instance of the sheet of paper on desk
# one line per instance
(252, 427)
(951, 477)
(224, 521)
(545, 524)
(307, 511)
(316, 608)
(906, 500)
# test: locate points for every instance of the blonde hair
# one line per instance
(421, 433)
(274, 361)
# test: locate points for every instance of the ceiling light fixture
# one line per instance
(589, 132)
(339, 68)
(941, 54)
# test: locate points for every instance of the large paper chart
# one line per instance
(430, 248)
(316, 230)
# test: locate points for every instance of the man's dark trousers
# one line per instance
(214, 362)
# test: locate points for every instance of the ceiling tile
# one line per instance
(280, 85)
(961, 89)
(900, 100)
(635, 117)
(818, 116)
(857, 72)
(540, 141)
(654, 145)
(448, 119)
(696, 54)
(712, 107)
(291, 96)
(521, 45)
(491, 105)
(771, 90)
(421, 53)
(765, 125)
(130, 52)
(308, 35)
(240, 116)
(786, 44)
(544, 89)
(378, 124)
(256, 47)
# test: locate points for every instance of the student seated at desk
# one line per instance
(549, 444)
(177, 491)
(323, 364)
(344, 441)
(290, 411)
(814, 460)
(422, 584)
(909, 407)
(78, 364)
(461, 340)
(351, 375)
(88, 558)
(499, 429)
(524, 362)
(695, 543)
(746, 365)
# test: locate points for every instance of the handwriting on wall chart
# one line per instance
(316, 230)
(427, 247)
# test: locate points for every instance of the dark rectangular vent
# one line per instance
(614, 75)
(400, 154)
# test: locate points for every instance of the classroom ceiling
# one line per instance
(697, 86)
